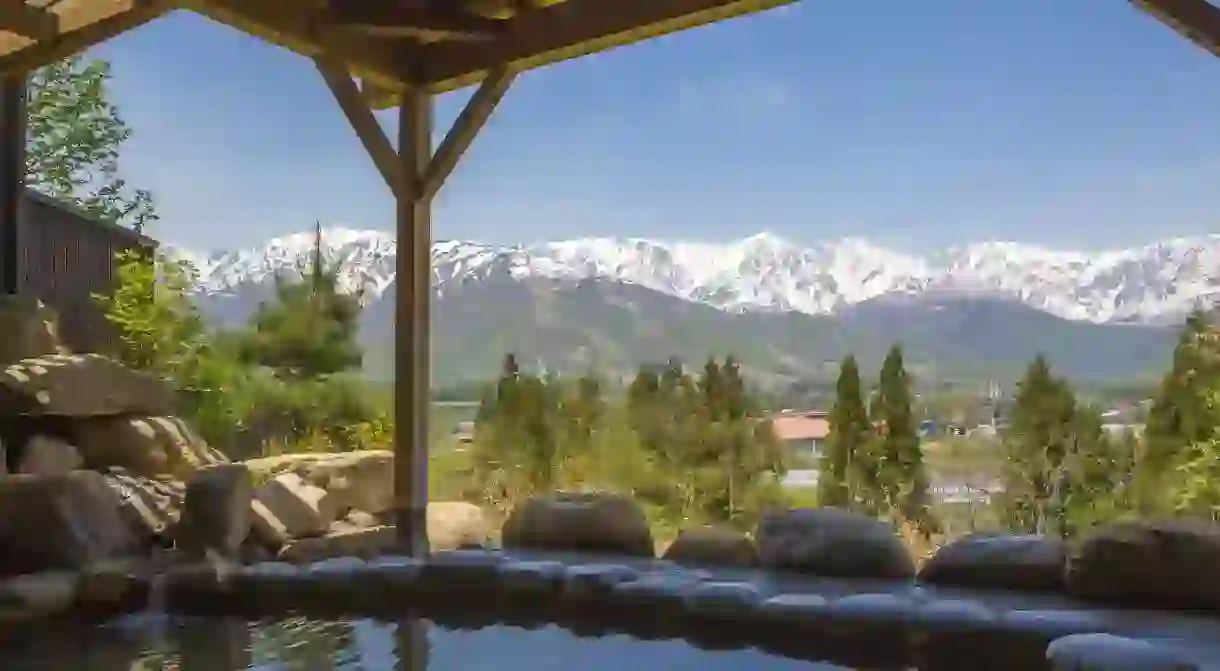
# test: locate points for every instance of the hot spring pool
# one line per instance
(156, 642)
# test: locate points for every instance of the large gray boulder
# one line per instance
(1001, 561)
(216, 512)
(712, 546)
(30, 329)
(1150, 564)
(831, 542)
(60, 522)
(580, 522)
(80, 385)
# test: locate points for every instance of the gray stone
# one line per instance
(831, 542)
(581, 522)
(364, 543)
(1167, 564)
(303, 509)
(30, 329)
(47, 455)
(46, 592)
(144, 446)
(454, 525)
(216, 512)
(1104, 652)
(62, 521)
(721, 600)
(80, 386)
(713, 546)
(999, 561)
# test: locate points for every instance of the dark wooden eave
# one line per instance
(389, 45)
(571, 29)
(426, 20)
(1196, 20)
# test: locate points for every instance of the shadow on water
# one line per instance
(156, 643)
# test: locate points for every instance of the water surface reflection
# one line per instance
(149, 643)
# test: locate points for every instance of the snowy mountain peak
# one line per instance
(1155, 283)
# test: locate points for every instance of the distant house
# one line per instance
(803, 434)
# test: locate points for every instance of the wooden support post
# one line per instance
(412, 322)
(12, 180)
(415, 175)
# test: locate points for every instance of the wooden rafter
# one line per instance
(571, 29)
(361, 118)
(78, 25)
(423, 19)
(1196, 20)
(27, 20)
(300, 27)
(467, 125)
(438, 166)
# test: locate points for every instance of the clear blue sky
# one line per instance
(1069, 123)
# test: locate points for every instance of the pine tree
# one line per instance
(309, 331)
(900, 468)
(1037, 445)
(1179, 416)
(839, 477)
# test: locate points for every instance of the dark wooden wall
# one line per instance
(66, 258)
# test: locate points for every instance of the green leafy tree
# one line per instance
(902, 478)
(74, 137)
(1179, 418)
(1037, 445)
(1100, 469)
(1195, 485)
(846, 474)
(158, 327)
(309, 331)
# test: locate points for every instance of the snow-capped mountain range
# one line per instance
(1154, 284)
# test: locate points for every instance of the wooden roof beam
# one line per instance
(565, 30)
(425, 19)
(79, 24)
(361, 118)
(286, 23)
(1196, 20)
(27, 20)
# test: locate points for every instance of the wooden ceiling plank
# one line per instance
(361, 118)
(293, 25)
(28, 20)
(418, 19)
(81, 25)
(1196, 20)
(572, 29)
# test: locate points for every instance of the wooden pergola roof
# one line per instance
(403, 52)
(439, 44)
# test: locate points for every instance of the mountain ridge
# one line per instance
(787, 312)
(1156, 283)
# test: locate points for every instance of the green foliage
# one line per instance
(1180, 419)
(1062, 471)
(309, 331)
(236, 407)
(1036, 447)
(691, 448)
(1195, 486)
(74, 136)
(902, 481)
(159, 328)
(848, 475)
